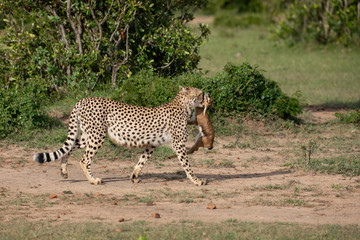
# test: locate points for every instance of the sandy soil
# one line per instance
(244, 184)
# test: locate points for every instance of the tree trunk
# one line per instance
(114, 72)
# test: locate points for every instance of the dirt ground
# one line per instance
(245, 184)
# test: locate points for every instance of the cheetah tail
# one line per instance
(68, 145)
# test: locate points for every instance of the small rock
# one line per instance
(211, 206)
(156, 215)
(52, 196)
(121, 220)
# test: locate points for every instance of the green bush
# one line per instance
(21, 108)
(244, 89)
(84, 44)
(253, 6)
(146, 88)
(323, 21)
(234, 13)
(238, 90)
(231, 19)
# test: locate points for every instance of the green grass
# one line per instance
(325, 76)
(230, 229)
(348, 165)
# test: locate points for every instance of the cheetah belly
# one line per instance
(137, 139)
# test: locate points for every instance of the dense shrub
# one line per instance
(240, 6)
(21, 108)
(231, 19)
(146, 88)
(324, 21)
(83, 43)
(238, 90)
(244, 89)
(234, 13)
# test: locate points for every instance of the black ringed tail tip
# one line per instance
(39, 158)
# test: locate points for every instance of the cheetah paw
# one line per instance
(64, 175)
(201, 182)
(134, 179)
(97, 181)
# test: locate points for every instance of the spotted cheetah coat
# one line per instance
(132, 126)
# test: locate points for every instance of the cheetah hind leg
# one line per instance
(143, 158)
(63, 167)
(90, 151)
(79, 143)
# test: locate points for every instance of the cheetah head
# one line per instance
(193, 96)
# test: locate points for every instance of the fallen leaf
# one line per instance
(211, 206)
(53, 196)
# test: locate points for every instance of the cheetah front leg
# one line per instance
(144, 157)
(184, 161)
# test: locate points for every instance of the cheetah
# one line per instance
(128, 125)
(206, 135)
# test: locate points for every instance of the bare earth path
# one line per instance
(244, 183)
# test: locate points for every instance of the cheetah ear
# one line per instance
(183, 89)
